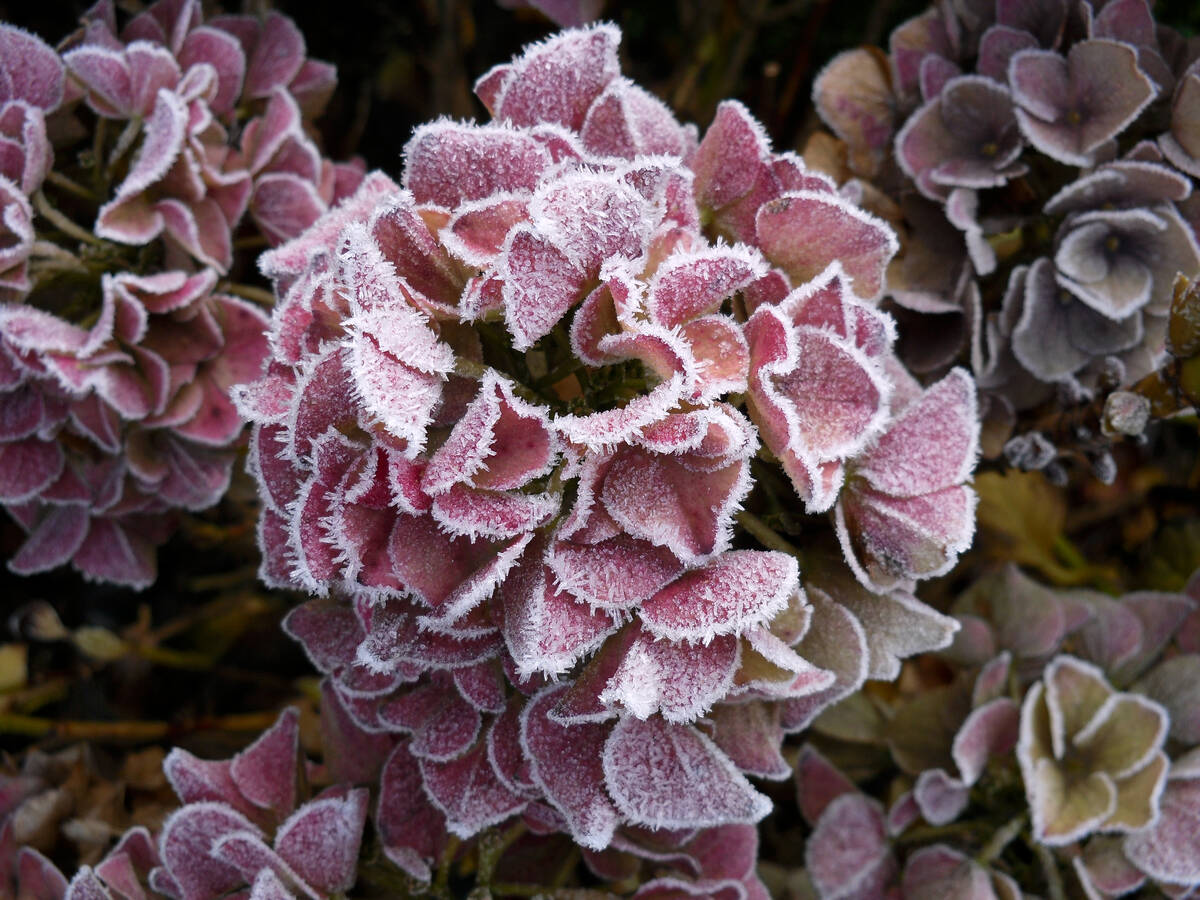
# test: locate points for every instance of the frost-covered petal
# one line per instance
(736, 591)
(671, 776)
(558, 80)
(679, 680)
(566, 762)
(930, 445)
(321, 840)
(265, 772)
(1068, 108)
(847, 854)
(467, 791)
(802, 232)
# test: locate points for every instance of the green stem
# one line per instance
(766, 535)
(1002, 837)
(59, 180)
(935, 832)
(62, 223)
(1054, 882)
(124, 142)
(258, 295)
(441, 881)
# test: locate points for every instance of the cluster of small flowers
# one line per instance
(1103, 742)
(128, 162)
(1035, 156)
(511, 414)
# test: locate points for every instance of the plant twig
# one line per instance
(766, 535)
(62, 223)
(1002, 837)
(258, 295)
(1054, 882)
(59, 180)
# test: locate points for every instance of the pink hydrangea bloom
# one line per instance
(31, 85)
(505, 434)
(118, 342)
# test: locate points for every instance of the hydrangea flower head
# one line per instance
(121, 328)
(1044, 213)
(512, 417)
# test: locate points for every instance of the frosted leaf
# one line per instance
(671, 776)
(941, 871)
(930, 444)
(540, 284)
(837, 643)
(566, 763)
(614, 573)
(663, 500)
(727, 160)
(689, 285)
(672, 888)
(734, 592)
(402, 242)
(901, 814)
(482, 686)
(477, 231)
(267, 886)
(772, 669)
(545, 629)
(611, 427)
(86, 886)
(283, 205)
(838, 399)
(351, 753)
(411, 829)
(940, 797)
(1173, 683)
(249, 854)
(328, 631)
(853, 95)
(897, 626)
(722, 356)
(468, 792)
(185, 844)
(449, 163)
(265, 772)
(129, 217)
(628, 121)
(682, 681)
(322, 838)
(751, 736)
(55, 539)
(321, 238)
(474, 514)
(196, 780)
(443, 723)
(557, 80)
(847, 854)
(500, 443)
(1102, 867)
(505, 752)
(1169, 849)
(317, 561)
(33, 71)
(802, 232)
(889, 541)
(36, 874)
(581, 703)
